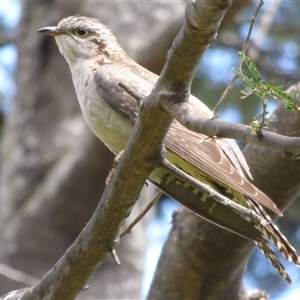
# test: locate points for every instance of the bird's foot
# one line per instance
(113, 170)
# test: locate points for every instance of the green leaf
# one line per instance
(255, 84)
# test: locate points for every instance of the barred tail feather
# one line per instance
(271, 231)
(272, 257)
(279, 240)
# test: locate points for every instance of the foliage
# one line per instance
(254, 83)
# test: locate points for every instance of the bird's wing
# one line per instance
(114, 95)
(233, 152)
(202, 152)
(205, 154)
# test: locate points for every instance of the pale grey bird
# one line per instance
(98, 64)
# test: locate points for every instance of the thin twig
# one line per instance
(266, 21)
(114, 255)
(17, 275)
(238, 209)
(263, 119)
(240, 63)
(142, 214)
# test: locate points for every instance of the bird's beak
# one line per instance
(51, 30)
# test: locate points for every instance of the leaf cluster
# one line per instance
(254, 83)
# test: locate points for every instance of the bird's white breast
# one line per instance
(108, 125)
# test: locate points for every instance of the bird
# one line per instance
(97, 64)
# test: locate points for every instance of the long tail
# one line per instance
(265, 247)
(271, 232)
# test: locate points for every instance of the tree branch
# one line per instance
(183, 113)
(207, 190)
(142, 154)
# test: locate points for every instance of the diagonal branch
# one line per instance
(207, 190)
(142, 154)
(183, 113)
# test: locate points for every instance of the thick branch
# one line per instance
(141, 156)
(202, 20)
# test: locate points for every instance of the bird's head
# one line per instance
(80, 38)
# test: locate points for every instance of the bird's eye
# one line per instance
(81, 32)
